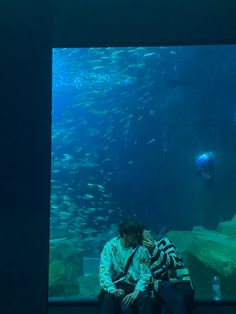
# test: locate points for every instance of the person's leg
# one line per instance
(162, 307)
(110, 305)
(187, 292)
(126, 310)
(173, 301)
(143, 303)
(165, 309)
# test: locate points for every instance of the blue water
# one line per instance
(127, 125)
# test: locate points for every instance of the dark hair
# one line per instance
(129, 226)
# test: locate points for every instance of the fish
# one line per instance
(57, 240)
(151, 141)
(99, 187)
(88, 197)
(86, 163)
(150, 54)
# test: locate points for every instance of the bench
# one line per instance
(61, 305)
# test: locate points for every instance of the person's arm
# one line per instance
(165, 258)
(145, 271)
(105, 270)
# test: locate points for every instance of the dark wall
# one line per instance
(26, 105)
(139, 22)
(25, 100)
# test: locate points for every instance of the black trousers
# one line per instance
(113, 305)
(177, 298)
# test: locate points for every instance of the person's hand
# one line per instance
(149, 244)
(117, 293)
(130, 298)
(156, 285)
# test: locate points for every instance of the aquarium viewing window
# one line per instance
(146, 132)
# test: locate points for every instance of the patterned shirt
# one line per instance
(113, 261)
(164, 258)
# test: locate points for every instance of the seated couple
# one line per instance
(133, 266)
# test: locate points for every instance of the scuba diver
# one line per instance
(205, 167)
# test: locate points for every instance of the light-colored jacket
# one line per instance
(112, 265)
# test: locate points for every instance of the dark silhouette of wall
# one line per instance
(25, 100)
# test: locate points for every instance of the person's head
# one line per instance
(131, 230)
(147, 235)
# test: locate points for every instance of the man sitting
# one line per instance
(124, 271)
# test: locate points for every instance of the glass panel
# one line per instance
(146, 132)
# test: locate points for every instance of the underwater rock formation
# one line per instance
(65, 267)
(228, 227)
(208, 253)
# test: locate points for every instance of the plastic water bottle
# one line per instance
(216, 288)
